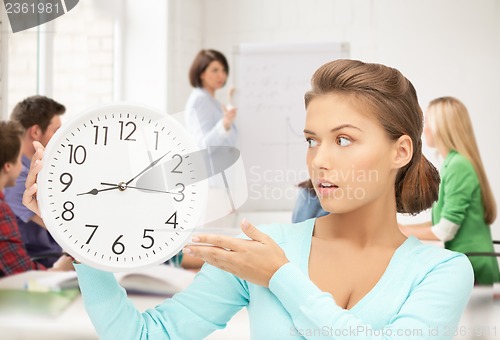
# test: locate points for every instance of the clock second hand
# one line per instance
(145, 189)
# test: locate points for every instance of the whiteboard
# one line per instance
(270, 82)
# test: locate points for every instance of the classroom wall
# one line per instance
(446, 47)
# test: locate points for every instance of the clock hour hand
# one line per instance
(147, 168)
(95, 191)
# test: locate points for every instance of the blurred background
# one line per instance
(140, 51)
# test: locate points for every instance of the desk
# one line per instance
(481, 319)
(74, 324)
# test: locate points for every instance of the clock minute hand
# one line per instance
(147, 189)
(147, 168)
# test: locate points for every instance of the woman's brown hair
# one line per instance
(393, 99)
(11, 133)
(201, 62)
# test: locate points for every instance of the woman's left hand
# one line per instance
(255, 260)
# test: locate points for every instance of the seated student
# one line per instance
(40, 118)
(466, 208)
(13, 256)
(351, 273)
(307, 205)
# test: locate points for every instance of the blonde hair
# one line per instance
(393, 100)
(451, 128)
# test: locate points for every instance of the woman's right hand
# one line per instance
(29, 196)
(229, 116)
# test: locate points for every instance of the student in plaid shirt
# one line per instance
(13, 256)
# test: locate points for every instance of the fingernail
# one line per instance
(187, 251)
(37, 161)
(195, 239)
(245, 223)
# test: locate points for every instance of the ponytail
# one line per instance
(417, 185)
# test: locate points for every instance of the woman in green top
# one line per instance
(462, 215)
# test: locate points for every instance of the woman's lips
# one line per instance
(326, 188)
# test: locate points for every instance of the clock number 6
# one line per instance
(119, 245)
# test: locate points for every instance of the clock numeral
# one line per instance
(174, 170)
(105, 128)
(152, 240)
(68, 182)
(157, 136)
(118, 247)
(68, 214)
(122, 125)
(78, 154)
(173, 217)
(181, 192)
(93, 232)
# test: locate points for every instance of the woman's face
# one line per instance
(349, 156)
(214, 77)
(16, 169)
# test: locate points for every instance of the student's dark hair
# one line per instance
(11, 133)
(37, 110)
(393, 100)
(201, 62)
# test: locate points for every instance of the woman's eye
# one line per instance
(311, 142)
(343, 141)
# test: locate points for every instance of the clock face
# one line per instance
(118, 189)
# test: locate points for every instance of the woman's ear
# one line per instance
(403, 151)
(6, 167)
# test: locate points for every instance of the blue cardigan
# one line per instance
(422, 294)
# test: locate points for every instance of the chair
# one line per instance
(497, 254)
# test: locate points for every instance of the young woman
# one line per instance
(210, 122)
(351, 273)
(466, 207)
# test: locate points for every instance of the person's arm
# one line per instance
(460, 183)
(443, 231)
(206, 123)
(14, 197)
(38, 220)
(422, 231)
(436, 302)
(206, 305)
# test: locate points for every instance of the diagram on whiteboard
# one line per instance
(270, 82)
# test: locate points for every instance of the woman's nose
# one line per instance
(322, 157)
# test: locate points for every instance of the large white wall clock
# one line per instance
(90, 193)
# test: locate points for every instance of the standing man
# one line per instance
(40, 117)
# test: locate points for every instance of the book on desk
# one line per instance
(161, 280)
(48, 293)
